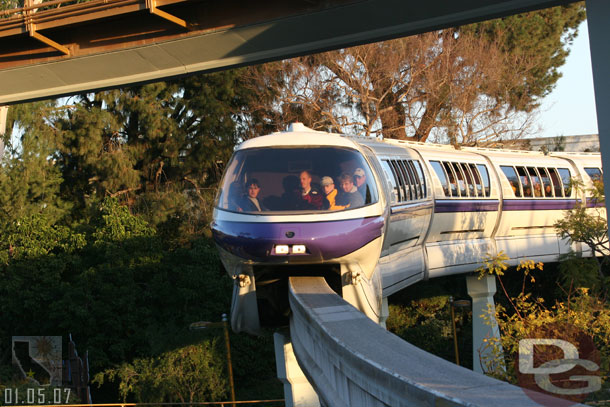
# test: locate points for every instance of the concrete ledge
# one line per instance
(351, 361)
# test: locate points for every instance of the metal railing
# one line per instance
(29, 6)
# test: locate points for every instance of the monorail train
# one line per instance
(422, 211)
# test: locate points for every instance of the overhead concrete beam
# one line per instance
(286, 36)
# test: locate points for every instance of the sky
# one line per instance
(570, 109)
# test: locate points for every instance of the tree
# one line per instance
(467, 84)
(29, 178)
(116, 288)
(589, 226)
(155, 147)
(193, 373)
(581, 319)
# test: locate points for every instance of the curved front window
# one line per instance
(297, 179)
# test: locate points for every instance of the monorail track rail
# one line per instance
(351, 361)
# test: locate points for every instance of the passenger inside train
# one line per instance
(249, 202)
(297, 179)
(349, 196)
(362, 184)
(330, 192)
(308, 196)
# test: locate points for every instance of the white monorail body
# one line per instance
(425, 211)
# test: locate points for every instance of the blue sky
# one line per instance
(570, 109)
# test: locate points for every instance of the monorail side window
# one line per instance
(594, 173)
(513, 180)
(565, 175)
(526, 184)
(440, 173)
(390, 174)
(408, 183)
(469, 180)
(557, 187)
(546, 182)
(415, 178)
(422, 178)
(485, 175)
(453, 190)
(536, 185)
(461, 180)
(477, 179)
(399, 182)
(402, 181)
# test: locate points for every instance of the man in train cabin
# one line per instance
(311, 198)
(362, 185)
(350, 195)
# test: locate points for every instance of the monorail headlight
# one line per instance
(289, 249)
(282, 249)
(299, 249)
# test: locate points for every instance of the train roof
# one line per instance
(298, 135)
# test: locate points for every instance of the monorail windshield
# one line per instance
(296, 179)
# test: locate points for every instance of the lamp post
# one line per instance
(459, 304)
(224, 324)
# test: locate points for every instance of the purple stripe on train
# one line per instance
(594, 203)
(538, 204)
(324, 240)
(463, 205)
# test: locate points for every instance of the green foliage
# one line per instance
(29, 180)
(254, 367)
(576, 272)
(588, 226)
(33, 236)
(191, 373)
(529, 317)
(494, 265)
(117, 224)
(545, 33)
(421, 316)
(115, 287)
(422, 320)
(154, 147)
(581, 312)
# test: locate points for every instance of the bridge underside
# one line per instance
(101, 44)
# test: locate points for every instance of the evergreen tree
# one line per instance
(29, 178)
(545, 33)
(155, 147)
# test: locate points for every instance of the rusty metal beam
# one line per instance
(152, 6)
(49, 42)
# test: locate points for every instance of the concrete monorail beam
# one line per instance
(351, 361)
